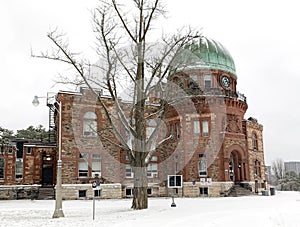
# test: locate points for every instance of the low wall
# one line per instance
(215, 189)
(69, 191)
(85, 191)
(19, 192)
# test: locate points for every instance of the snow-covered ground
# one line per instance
(283, 209)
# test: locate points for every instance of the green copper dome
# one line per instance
(204, 53)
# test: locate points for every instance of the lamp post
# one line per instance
(175, 172)
(58, 212)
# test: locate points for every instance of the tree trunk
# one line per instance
(140, 197)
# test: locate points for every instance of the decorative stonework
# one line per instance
(233, 124)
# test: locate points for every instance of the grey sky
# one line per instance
(261, 35)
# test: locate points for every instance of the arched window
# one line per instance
(90, 124)
(254, 140)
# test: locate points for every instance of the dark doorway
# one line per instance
(47, 171)
(236, 168)
(256, 186)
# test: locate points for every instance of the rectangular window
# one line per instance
(96, 156)
(83, 169)
(207, 81)
(152, 170)
(196, 128)
(129, 192)
(83, 164)
(128, 171)
(97, 193)
(96, 168)
(205, 129)
(18, 148)
(202, 166)
(19, 168)
(255, 145)
(83, 155)
(201, 155)
(203, 191)
(175, 181)
(254, 139)
(82, 193)
(2, 165)
(28, 150)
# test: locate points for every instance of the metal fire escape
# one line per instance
(51, 99)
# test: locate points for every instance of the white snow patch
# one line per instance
(283, 209)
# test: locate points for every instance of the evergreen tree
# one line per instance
(32, 133)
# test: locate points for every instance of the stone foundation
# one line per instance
(85, 191)
(19, 192)
(117, 191)
(216, 189)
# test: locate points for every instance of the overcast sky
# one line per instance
(261, 35)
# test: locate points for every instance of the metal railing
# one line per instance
(216, 92)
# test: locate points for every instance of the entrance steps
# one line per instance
(46, 193)
(239, 190)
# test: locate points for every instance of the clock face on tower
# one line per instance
(225, 81)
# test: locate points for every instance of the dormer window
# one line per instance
(90, 124)
(207, 81)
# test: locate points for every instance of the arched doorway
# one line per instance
(236, 167)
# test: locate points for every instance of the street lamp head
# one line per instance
(35, 101)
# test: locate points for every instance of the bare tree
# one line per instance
(126, 55)
(278, 169)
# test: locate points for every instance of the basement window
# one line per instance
(129, 192)
(82, 193)
(203, 191)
